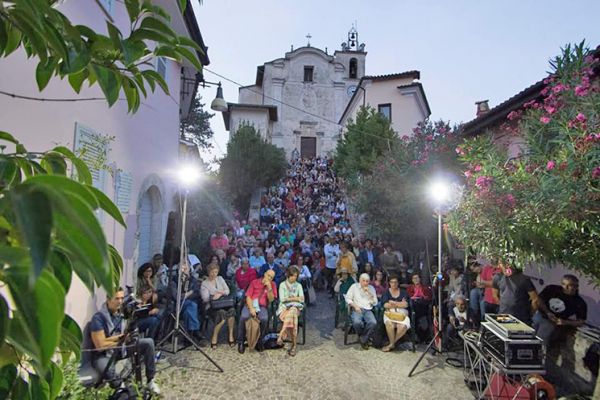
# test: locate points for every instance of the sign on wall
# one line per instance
(124, 183)
(92, 147)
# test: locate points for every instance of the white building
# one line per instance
(303, 100)
(140, 151)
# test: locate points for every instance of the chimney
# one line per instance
(482, 107)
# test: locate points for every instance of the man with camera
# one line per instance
(107, 334)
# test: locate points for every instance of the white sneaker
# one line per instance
(153, 387)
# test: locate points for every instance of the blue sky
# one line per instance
(466, 50)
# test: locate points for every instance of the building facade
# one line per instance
(134, 157)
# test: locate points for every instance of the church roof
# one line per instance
(414, 74)
(419, 86)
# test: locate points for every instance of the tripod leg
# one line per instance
(429, 346)
(188, 337)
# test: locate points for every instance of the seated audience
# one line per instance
(148, 324)
(361, 299)
(346, 259)
(162, 274)
(257, 259)
(396, 315)
(272, 266)
(260, 293)
(379, 283)
(560, 312)
(244, 275)
(388, 260)
(146, 279)
(214, 287)
(420, 297)
(460, 318)
(367, 268)
(291, 302)
(404, 277)
(190, 296)
(233, 266)
(344, 282)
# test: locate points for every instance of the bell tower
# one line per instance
(352, 56)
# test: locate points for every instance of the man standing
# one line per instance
(190, 297)
(106, 335)
(515, 293)
(331, 251)
(361, 298)
(560, 312)
(369, 254)
(389, 261)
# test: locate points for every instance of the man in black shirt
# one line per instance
(515, 292)
(560, 312)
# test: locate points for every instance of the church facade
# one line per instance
(297, 101)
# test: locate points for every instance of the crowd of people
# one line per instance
(303, 243)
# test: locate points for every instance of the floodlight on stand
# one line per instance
(439, 192)
(219, 103)
(188, 175)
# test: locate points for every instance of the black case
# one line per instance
(512, 352)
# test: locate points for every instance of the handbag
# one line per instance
(222, 302)
(395, 316)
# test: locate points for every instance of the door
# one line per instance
(308, 147)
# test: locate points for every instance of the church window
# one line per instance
(385, 110)
(308, 73)
(353, 68)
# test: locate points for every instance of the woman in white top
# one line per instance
(214, 288)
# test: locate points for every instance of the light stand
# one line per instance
(440, 192)
(178, 329)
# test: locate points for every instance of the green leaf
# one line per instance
(182, 5)
(109, 83)
(155, 77)
(115, 35)
(54, 377)
(168, 52)
(107, 205)
(148, 34)
(38, 387)
(13, 41)
(65, 185)
(54, 163)
(61, 267)
(70, 338)
(185, 41)
(87, 32)
(3, 35)
(21, 390)
(4, 321)
(8, 374)
(8, 137)
(76, 79)
(192, 57)
(133, 50)
(33, 214)
(116, 263)
(133, 9)
(157, 25)
(44, 72)
(9, 172)
(83, 172)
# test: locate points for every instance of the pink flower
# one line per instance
(580, 117)
(530, 104)
(405, 138)
(550, 165)
(581, 91)
(468, 174)
(545, 120)
(559, 88)
(509, 199)
(483, 182)
(460, 151)
(429, 138)
(477, 168)
(596, 172)
(513, 115)
(550, 109)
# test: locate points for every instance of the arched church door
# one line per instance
(149, 225)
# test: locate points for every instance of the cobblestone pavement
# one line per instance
(323, 369)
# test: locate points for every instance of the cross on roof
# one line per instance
(308, 37)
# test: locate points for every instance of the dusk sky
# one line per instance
(466, 50)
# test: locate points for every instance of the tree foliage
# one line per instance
(394, 198)
(544, 206)
(365, 141)
(49, 229)
(196, 126)
(251, 162)
(76, 52)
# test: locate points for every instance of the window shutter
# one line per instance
(123, 191)
(93, 151)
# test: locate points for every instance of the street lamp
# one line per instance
(219, 103)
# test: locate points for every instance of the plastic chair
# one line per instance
(274, 321)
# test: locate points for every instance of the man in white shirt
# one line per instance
(361, 298)
(332, 252)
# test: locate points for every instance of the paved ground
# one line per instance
(323, 369)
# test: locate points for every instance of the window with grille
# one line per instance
(308, 73)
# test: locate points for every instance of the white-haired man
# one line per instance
(361, 298)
